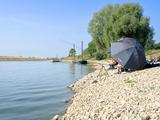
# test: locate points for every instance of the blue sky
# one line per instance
(48, 28)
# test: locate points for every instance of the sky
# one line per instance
(49, 28)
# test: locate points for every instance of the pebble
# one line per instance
(66, 101)
(56, 117)
(146, 117)
(114, 99)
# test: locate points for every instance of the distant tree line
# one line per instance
(116, 21)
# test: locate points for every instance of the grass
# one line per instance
(78, 57)
(150, 55)
(129, 80)
(153, 53)
(20, 58)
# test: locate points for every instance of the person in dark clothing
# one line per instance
(113, 64)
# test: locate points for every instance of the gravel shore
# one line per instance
(109, 96)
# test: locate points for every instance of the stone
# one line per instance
(66, 101)
(56, 117)
(113, 99)
(95, 81)
(146, 117)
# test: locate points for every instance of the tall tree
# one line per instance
(116, 21)
(72, 52)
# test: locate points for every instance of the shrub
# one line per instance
(100, 56)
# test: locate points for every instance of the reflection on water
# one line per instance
(72, 69)
(36, 90)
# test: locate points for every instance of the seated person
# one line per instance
(116, 65)
(119, 68)
(113, 64)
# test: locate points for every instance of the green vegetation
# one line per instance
(130, 81)
(117, 21)
(20, 58)
(100, 56)
(78, 57)
(91, 50)
(153, 53)
(72, 52)
(157, 46)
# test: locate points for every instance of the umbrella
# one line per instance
(129, 53)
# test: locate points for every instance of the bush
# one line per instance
(157, 46)
(100, 56)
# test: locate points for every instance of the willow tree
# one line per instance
(121, 20)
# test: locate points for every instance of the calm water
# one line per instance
(36, 90)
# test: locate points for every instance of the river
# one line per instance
(36, 90)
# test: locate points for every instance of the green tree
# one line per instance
(91, 50)
(116, 21)
(157, 45)
(72, 52)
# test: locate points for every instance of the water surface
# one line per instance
(36, 90)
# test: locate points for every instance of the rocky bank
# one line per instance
(109, 96)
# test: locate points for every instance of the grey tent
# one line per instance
(129, 53)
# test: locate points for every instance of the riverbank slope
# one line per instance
(130, 96)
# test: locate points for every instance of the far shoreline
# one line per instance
(21, 58)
